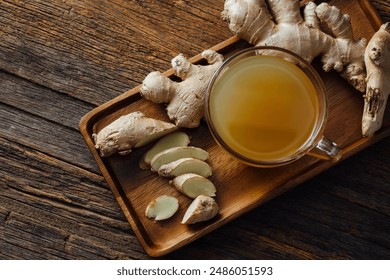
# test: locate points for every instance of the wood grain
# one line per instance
(95, 50)
(60, 59)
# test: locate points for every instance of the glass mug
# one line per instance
(267, 107)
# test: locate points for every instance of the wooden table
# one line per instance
(61, 59)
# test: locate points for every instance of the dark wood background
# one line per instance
(59, 59)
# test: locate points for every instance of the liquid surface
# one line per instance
(264, 108)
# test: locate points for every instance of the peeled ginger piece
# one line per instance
(175, 139)
(183, 166)
(194, 185)
(162, 208)
(203, 208)
(175, 153)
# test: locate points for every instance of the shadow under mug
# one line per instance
(267, 107)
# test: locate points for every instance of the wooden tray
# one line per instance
(239, 188)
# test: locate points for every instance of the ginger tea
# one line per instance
(264, 108)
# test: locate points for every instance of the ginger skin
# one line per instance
(279, 23)
(202, 208)
(129, 131)
(186, 98)
(377, 59)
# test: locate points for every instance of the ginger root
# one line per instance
(377, 59)
(203, 208)
(185, 98)
(279, 23)
(130, 131)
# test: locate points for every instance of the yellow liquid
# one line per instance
(264, 108)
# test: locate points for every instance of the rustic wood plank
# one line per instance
(45, 136)
(63, 183)
(383, 8)
(126, 40)
(44, 198)
(44, 119)
(42, 102)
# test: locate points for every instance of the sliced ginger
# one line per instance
(176, 153)
(193, 185)
(203, 208)
(162, 208)
(183, 166)
(171, 157)
(176, 139)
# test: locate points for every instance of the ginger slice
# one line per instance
(176, 139)
(194, 185)
(172, 154)
(162, 208)
(130, 131)
(183, 166)
(203, 208)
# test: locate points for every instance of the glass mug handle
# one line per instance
(326, 149)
